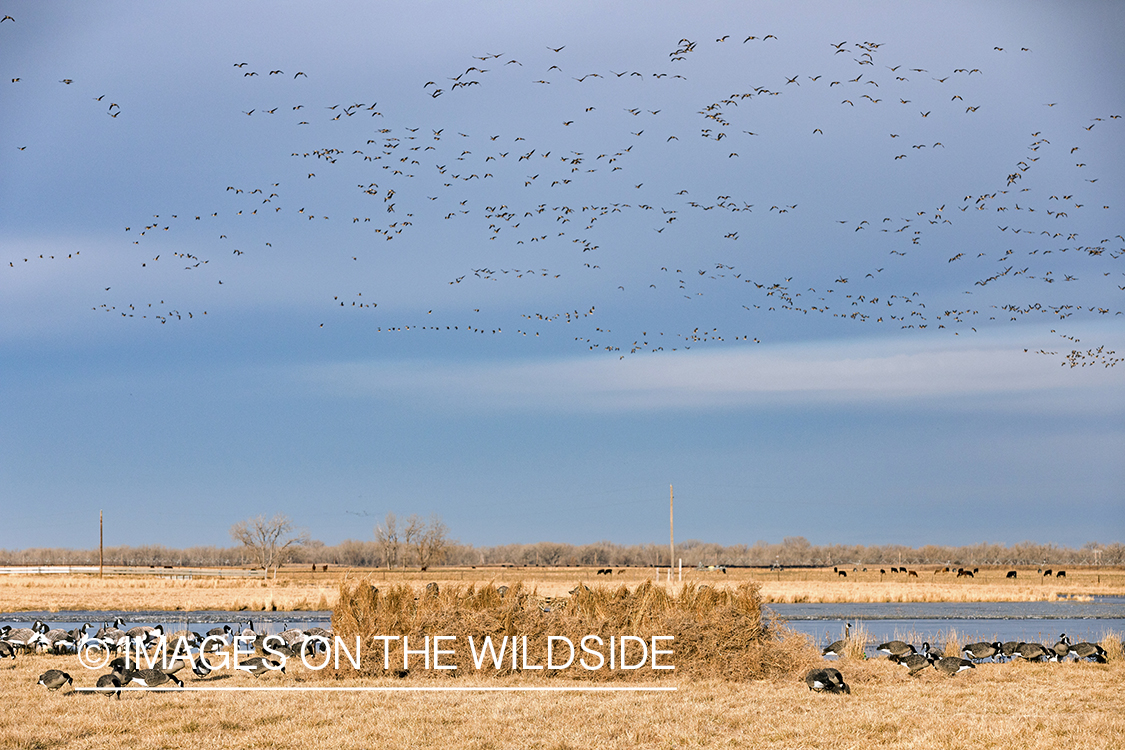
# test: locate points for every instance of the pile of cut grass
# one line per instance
(716, 633)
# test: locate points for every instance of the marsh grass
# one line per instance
(717, 632)
(1111, 642)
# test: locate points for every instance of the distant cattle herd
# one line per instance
(961, 572)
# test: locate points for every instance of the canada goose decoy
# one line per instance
(111, 680)
(59, 640)
(1086, 650)
(189, 639)
(895, 648)
(977, 651)
(1033, 651)
(826, 680)
(152, 678)
(1008, 648)
(914, 663)
(259, 664)
(123, 665)
(53, 679)
(951, 665)
(24, 639)
(6, 651)
(1060, 650)
(836, 648)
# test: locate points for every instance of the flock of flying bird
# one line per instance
(183, 651)
(553, 196)
(830, 680)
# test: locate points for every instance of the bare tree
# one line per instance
(387, 537)
(434, 542)
(428, 540)
(270, 541)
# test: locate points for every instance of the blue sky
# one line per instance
(781, 273)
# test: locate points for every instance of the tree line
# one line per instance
(415, 542)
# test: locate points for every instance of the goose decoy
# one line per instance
(951, 665)
(123, 665)
(1086, 650)
(108, 681)
(53, 679)
(977, 651)
(189, 639)
(259, 664)
(1033, 651)
(836, 648)
(152, 678)
(1060, 650)
(826, 680)
(59, 640)
(1008, 648)
(217, 638)
(915, 663)
(895, 648)
(22, 638)
(6, 650)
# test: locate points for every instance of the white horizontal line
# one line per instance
(373, 689)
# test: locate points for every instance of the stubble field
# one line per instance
(300, 589)
(1019, 705)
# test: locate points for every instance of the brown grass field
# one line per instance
(1015, 705)
(299, 589)
(1018, 705)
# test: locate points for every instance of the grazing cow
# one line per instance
(911, 574)
(882, 572)
(842, 573)
(1011, 574)
(964, 574)
(1060, 574)
(894, 570)
(1047, 573)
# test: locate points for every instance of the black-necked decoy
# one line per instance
(53, 679)
(826, 680)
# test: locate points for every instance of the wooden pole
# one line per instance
(671, 530)
(101, 545)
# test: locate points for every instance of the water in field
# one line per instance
(204, 620)
(910, 621)
(916, 622)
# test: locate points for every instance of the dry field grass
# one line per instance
(1018, 705)
(298, 589)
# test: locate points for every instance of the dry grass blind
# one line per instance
(718, 633)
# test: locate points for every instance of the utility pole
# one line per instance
(671, 531)
(101, 545)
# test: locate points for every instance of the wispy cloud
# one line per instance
(865, 371)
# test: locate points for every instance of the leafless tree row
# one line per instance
(415, 542)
